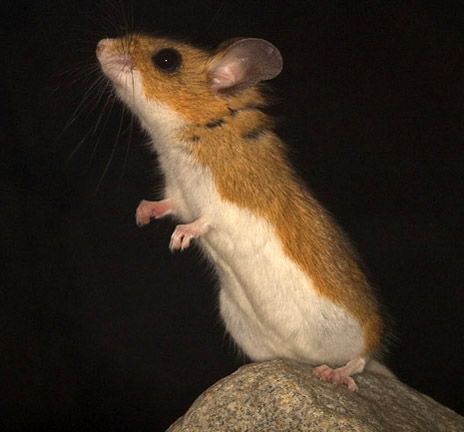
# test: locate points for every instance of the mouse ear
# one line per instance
(243, 63)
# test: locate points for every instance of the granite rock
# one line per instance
(283, 396)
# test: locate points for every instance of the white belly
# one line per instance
(269, 305)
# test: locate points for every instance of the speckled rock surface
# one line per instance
(280, 396)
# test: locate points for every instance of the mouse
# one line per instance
(291, 285)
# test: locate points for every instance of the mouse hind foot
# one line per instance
(341, 375)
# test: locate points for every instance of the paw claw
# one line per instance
(180, 239)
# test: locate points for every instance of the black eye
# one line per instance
(167, 60)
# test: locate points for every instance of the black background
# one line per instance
(101, 327)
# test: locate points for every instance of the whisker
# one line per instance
(129, 131)
(121, 121)
(83, 101)
(80, 69)
(92, 131)
(129, 139)
(111, 20)
(131, 16)
(75, 150)
(111, 103)
(103, 91)
(113, 151)
(114, 18)
(69, 78)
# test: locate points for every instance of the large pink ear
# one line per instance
(242, 64)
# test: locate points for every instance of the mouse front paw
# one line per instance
(185, 233)
(148, 210)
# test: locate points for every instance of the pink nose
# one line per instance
(102, 45)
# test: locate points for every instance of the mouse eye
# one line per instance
(167, 60)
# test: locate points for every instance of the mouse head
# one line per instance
(167, 83)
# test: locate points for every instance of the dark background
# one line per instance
(101, 327)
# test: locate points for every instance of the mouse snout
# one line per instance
(102, 45)
(115, 61)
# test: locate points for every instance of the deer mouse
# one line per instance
(290, 284)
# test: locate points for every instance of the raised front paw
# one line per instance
(148, 210)
(184, 234)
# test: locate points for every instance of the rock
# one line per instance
(280, 396)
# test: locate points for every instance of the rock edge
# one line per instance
(280, 396)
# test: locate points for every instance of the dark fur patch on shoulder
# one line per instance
(254, 134)
(232, 111)
(215, 123)
(194, 138)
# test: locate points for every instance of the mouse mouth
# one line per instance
(114, 63)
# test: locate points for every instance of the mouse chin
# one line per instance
(118, 68)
